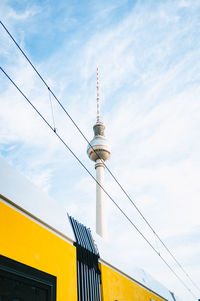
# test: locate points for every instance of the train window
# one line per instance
(19, 282)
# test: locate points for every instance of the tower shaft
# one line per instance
(100, 212)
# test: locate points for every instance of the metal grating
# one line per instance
(88, 273)
(173, 296)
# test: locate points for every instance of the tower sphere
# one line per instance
(99, 147)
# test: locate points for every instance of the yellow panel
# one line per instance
(117, 287)
(24, 240)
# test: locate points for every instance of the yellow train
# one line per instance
(43, 262)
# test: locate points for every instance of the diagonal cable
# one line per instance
(82, 164)
(85, 138)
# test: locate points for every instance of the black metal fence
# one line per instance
(88, 273)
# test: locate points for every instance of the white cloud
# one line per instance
(30, 12)
(149, 89)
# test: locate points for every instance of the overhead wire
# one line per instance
(52, 113)
(85, 138)
(105, 191)
(107, 168)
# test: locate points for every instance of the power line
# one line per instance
(85, 138)
(52, 113)
(82, 164)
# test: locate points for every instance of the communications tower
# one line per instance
(99, 151)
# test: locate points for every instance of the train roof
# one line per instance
(22, 194)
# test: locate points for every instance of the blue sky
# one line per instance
(148, 56)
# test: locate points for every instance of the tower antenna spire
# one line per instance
(98, 98)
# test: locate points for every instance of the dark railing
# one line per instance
(88, 273)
